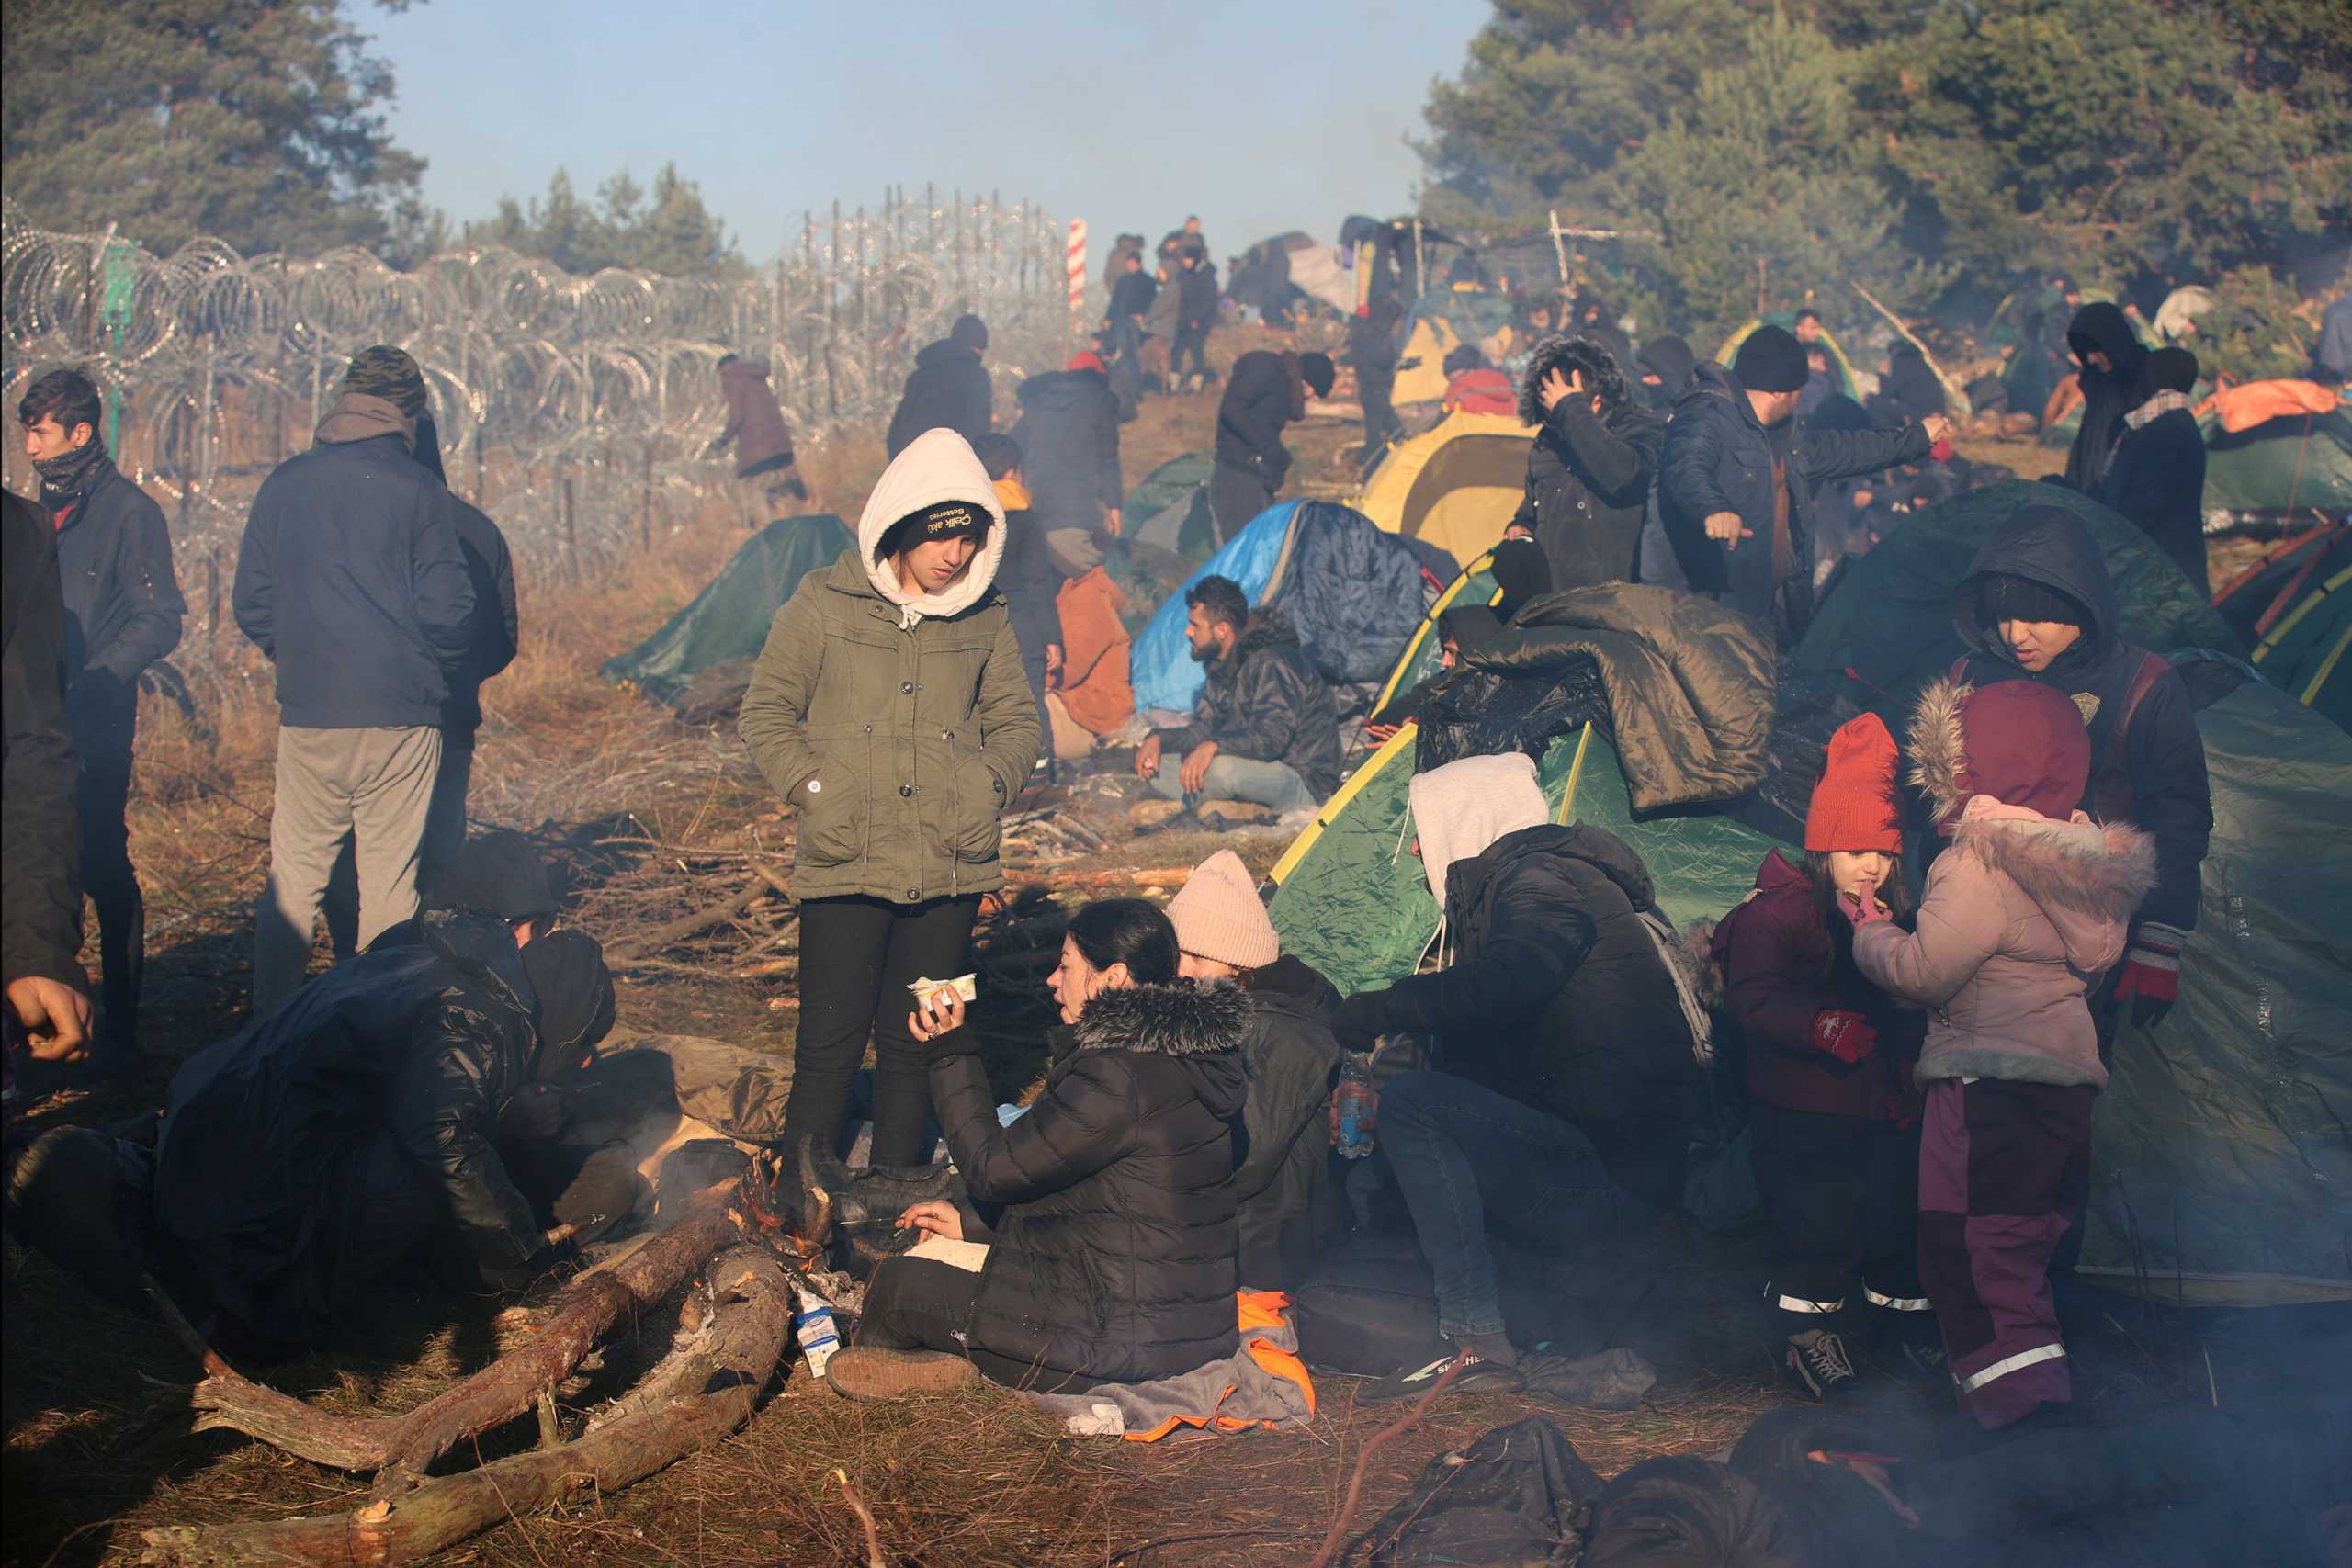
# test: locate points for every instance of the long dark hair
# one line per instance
(1603, 374)
(1129, 931)
(1894, 893)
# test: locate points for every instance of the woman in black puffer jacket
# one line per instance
(1113, 1258)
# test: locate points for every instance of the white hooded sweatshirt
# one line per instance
(937, 466)
(1460, 810)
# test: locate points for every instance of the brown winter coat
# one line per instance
(1096, 686)
(755, 422)
(2022, 913)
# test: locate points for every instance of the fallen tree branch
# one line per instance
(1339, 1522)
(401, 1446)
(662, 936)
(711, 1392)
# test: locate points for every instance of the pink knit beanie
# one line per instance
(1217, 915)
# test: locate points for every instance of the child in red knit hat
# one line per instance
(1834, 1118)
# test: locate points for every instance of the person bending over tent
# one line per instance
(1589, 469)
(765, 480)
(304, 1159)
(1281, 1185)
(2031, 897)
(1737, 475)
(1570, 1082)
(2156, 476)
(1264, 729)
(1828, 1058)
(1265, 393)
(2037, 604)
(1110, 1199)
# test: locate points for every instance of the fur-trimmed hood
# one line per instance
(1940, 748)
(1567, 355)
(2084, 874)
(1177, 1020)
(2018, 743)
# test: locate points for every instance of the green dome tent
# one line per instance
(727, 622)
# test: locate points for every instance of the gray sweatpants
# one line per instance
(376, 785)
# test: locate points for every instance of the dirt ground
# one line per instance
(617, 793)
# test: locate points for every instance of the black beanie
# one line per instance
(2172, 370)
(2005, 596)
(942, 520)
(1317, 371)
(576, 1002)
(1522, 572)
(969, 331)
(1772, 360)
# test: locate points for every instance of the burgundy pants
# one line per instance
(2003, 1168)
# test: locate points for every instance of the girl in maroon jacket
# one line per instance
(1834, 1117)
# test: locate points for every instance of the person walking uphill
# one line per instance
(2036, 604)
(889, 710)
(1833, 1116)
(765, 480)
(2031, 897)
(949, 388)
(1265, 393)
(1590, 468)
(1737, 477)
(123, 610)
(351, 579)
(1112, 1196)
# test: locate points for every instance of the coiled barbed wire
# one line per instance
(220, 363)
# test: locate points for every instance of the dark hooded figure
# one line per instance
(1264, 392)
(2113, 375)
(301, 1159)
(2037, 604)
(1521, 573)
(1911, 390)
(1589, 468)
(1373, 349)
(1665, 363)
(1068, 436)
(947, 389)
(2156, 476)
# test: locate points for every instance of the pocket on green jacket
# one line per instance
(835, 810)
(979, 805)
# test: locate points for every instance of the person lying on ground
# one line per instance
(1591, 466)
(2031, 899)
(1571, 1083)
(1110, 1199)
(306, 1160)
(1736, 477)
(2038, 605)
(1833, 1114)
(1264, 729)
(1282, 1182)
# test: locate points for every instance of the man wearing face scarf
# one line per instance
(351, 579)
(123, 610)
(303, 1160)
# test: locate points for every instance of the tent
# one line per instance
(1475, 585)
(1841, 370)
(1442, 319)
(2221, 1155)
(728, 621)
(1455, 485)
(2293, 607)
(1352, 900)
(1353, 594)
(2277, 449)
(1169, 509)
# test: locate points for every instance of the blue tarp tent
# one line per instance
(1164, 673)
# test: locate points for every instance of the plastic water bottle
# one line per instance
(812, 1326)
(1355, 1098)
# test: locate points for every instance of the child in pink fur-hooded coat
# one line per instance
(2026, 908)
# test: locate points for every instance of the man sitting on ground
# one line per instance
(1571, 1083)
(1264, 729)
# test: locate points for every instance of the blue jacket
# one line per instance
(351, 579)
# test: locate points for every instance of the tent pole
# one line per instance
(1560, 247)
(1420, 264)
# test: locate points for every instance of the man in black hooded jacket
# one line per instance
(1265, 393)
(1666, 363)
(1589, 470)
(948, 388)
(2113, 373)
(1264, 729)
(301, 1159)
(2037, 604)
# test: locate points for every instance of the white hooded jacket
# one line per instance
(937, 466)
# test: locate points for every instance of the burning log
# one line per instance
(700, 1394)
(400, 1448)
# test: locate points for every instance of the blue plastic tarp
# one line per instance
(1163, 668)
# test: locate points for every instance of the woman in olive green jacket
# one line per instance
(889, 710)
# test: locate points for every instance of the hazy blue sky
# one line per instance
(1260, 117)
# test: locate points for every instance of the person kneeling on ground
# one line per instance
(1113, 1255)
(303, 1160)
(1283, 1179)
(1264, 729)
(1834, 1114)
(1570, 1082)
(2028, 906)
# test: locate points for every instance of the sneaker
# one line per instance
(1924, 1360)
(1818, 1367)
(859, 1372)
(1478, 1375)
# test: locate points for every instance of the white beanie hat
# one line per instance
(1217, 915)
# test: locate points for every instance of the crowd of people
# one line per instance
(1923, 1002)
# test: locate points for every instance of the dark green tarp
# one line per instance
(1888, 616)
(728, 619)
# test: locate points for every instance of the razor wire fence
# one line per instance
(576, 410)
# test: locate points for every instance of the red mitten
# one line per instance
(1941, 450)
(2151, 981)
(1845, 1035)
